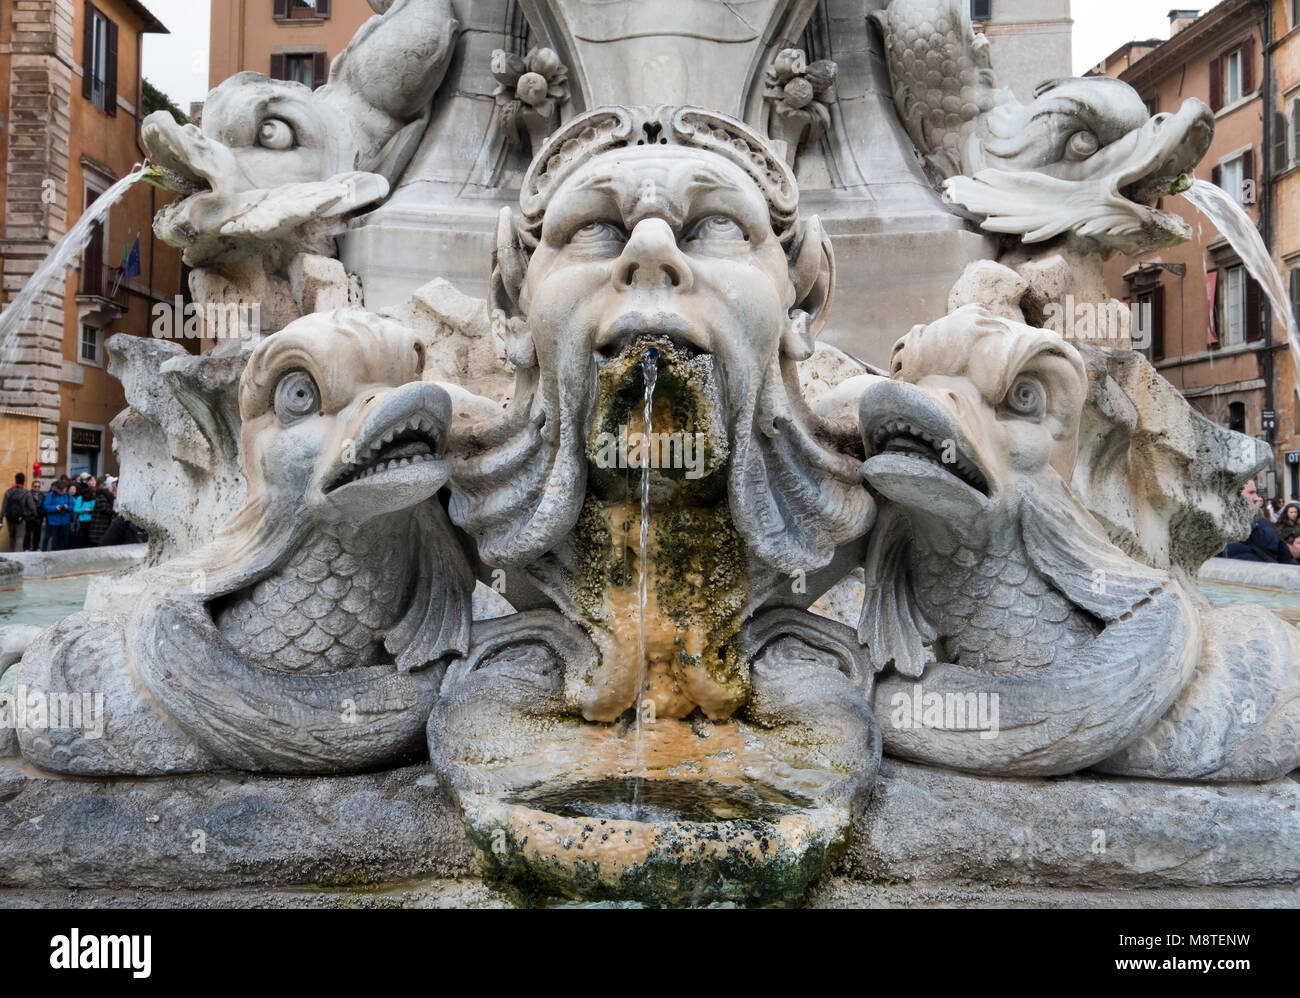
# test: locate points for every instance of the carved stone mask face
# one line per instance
(665, 241)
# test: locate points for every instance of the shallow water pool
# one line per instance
(42, 602)
(1285, 604)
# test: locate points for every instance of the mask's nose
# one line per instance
(651, 260)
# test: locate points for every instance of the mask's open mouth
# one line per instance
(630, 333)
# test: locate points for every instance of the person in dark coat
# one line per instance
(32, 542)
(101, 516)
(1264, 543)
(18, 511)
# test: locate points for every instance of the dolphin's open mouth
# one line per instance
(412, 441)
(1174, 144)
(916, 456)
(901, 436)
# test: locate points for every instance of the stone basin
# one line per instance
(717, 817)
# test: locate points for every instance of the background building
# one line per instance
(1029, 39)
(71, 98)
(286, 39)
(1202, 313)
(1284, 219)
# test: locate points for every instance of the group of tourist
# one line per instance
(74, 513)
(1275, 535)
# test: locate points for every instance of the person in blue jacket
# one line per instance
(58, 515)
(83, 510)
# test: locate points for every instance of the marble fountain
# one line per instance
(657, 478)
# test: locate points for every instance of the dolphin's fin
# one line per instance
(892, 625)
(1067, 546)
(437, 620)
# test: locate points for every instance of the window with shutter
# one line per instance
(1249, 179)
(1295, 293)
(1216, 84)
(305, 68)
(1254, 310)
(1295, 127)
(307, 8)
(1280, 142)
(1230, 176)
(981, 10)
(1234, 306)
(110, 71)
(280, 9)
(1248, 66)
(92, 257)
(1233, 87)
(99, 60)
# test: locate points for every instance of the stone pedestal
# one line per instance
(393, 839)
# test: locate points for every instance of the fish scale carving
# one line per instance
(329, 609)
(997, 613)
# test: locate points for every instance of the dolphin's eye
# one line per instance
(1026, 398)
(1082, 145)
(296, 397)
(274, 133)
(716, 227)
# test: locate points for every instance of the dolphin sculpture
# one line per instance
(312, 634)
(987, 578)
(1086, 157)
(277, 164)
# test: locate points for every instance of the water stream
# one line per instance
(52, 268)
(649, 374)
(1235, 225)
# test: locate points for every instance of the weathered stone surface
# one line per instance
(929, 826)
(226, 830)
(929, 837)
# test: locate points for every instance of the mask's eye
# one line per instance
(275, 134)
(296, 397)
(716, 227)
(596, 233)
(1082, 145)
(1026, 398)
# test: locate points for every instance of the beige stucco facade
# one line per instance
(1221, 362)
(60, 149)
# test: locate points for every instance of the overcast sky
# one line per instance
(178, 63)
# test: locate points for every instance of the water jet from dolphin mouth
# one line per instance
(64, 254)
(1235, 225)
